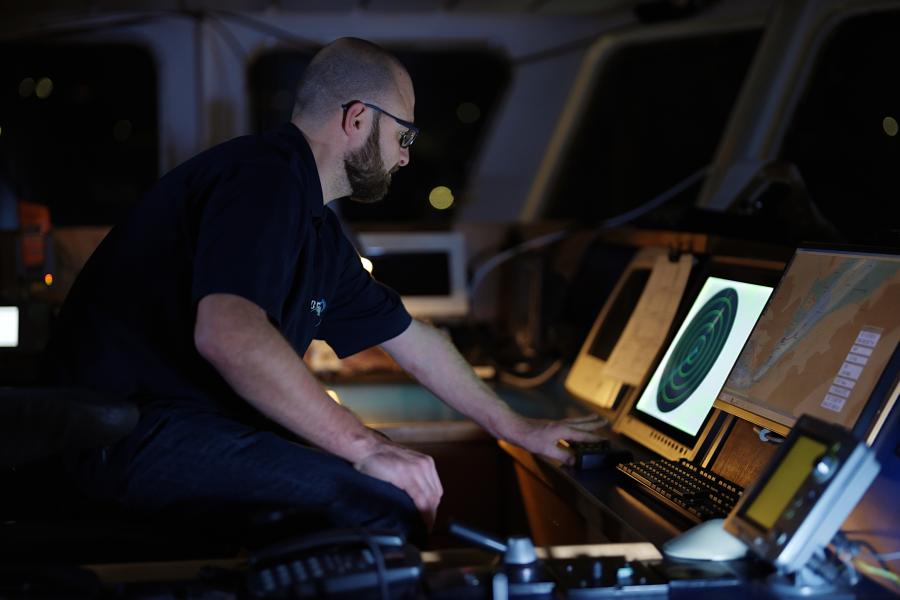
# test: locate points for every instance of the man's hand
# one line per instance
(540, 436)
(411, 471)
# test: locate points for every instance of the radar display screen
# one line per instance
(684, 385)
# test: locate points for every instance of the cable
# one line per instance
(502, 257)
(877, 571)
(533, 381)
(616, 221)
(658, 201)
(850, 549)
(873, 552)
(768, 436)
(380, 568)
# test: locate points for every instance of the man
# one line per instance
(202, 302)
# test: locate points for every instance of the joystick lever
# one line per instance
(522, 575)
(518, 550)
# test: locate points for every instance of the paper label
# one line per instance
(648, 325)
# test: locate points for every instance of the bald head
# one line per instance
(344, 70)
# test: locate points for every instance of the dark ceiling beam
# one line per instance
(536, 5)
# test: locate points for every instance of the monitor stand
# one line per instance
(823, 574)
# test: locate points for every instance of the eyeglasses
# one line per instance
(406, 138)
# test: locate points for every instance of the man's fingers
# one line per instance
(430, 483)
(582, 435)
(585, 424)
(560, 454)
(412, 472)
(426, 495)
(587, 419)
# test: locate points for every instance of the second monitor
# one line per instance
(673, 412)
(822, 345)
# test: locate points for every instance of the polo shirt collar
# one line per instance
(306, 164)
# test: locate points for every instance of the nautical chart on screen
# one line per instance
(823, 341)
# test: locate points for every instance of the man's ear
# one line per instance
(355, 119)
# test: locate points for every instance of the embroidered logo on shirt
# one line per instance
(317, 307)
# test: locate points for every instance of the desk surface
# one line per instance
(410, 413)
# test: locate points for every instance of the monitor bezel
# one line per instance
(453, 305)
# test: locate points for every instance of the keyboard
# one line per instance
(694, 492)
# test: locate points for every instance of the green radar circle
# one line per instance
(697, 350)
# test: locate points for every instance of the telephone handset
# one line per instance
(336, 564)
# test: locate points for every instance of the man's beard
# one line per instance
(369, 180)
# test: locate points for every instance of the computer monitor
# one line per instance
(822, 343)
(427, 269)
(672, 415)
(597, 376)
(9, 326)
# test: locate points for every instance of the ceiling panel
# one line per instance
(581, 7)
(408, 6)
(318, 5)
(575, 7)
(498, 6)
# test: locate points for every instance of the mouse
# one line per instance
(594, 455)
(706, 541)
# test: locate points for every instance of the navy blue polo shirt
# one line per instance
(245, 218)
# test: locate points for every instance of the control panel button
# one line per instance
(624, 574)
(825, 468)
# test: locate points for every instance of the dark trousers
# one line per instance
(216, 472)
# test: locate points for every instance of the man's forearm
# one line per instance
(430, 357)
(259, 364)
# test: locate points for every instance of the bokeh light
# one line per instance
(26, 87)
(44, 88)
(468, 112)
(441, 197)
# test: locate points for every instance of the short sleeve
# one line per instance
(248, 235)
(364, 312)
